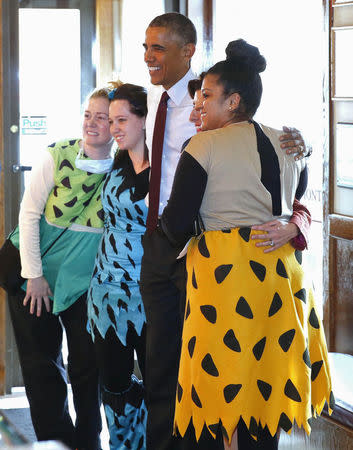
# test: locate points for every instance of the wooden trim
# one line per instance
(342, 99)
(343, 3)
(327, 194)
(105, 41)
(341, 227)
(208, 32)
(2, 221)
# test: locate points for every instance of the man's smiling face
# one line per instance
(167, 58)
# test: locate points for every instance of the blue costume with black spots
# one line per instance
(115, 309)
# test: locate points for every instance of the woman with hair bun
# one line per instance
(115, 309)
(254, 357)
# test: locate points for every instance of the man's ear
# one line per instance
(189, 50)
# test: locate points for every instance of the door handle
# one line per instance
(18, 168)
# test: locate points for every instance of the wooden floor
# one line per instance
(325, 435)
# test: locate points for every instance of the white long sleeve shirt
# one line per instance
(178, 129)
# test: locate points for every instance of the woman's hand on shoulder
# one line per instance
(38, 291)
(275, 234)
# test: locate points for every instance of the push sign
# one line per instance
(34, 125)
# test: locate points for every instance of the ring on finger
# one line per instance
(271, 244)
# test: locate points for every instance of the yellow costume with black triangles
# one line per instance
(253, 344)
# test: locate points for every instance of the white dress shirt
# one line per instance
(178, 129)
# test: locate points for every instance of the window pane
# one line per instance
(50, 79)
(290, 36)
(136, 16)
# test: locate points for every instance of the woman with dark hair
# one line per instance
(254, 356)
(115, 309)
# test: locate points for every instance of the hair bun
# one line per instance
(240, 52)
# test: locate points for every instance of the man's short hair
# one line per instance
(178, 24)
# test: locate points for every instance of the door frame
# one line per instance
(10, 374)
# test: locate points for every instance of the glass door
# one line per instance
(53, 81)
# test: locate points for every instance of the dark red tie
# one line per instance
(157, 150)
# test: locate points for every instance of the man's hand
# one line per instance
(293, 142)
(38, 291)
(276, 234)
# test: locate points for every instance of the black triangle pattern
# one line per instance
(222, 271)
(209, 366)
(315, 369)
(286, 339)
(231, 341)
(203, 247)
(291, 391)
(264, 388)
(245, 233)
(191, 346)
(301, 294)
(258, 269)
(195, 397)
(243, 308)
(259, 348)
(280, 269)
(209, 312)
(276, 305)
(231, 391)
(313, 320)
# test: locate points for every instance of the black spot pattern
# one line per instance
(264, 388)
(203, 247)
(193, 279)
(187, 313)
(243, 308)
(214, 427)
(299, 256)
(313, 320)
(195, 397)
(231, 341)
(71, 203)
(301, 294)
(179, 392)
(231, 391)
(209, 366)
(113, 243)
(258, 269)
(276, 305)
(57, 211)
(245, 233)
(210, 313)
(65, 163)
(280, 269)
(306, 358)
(222, 271)
(286, 339)
(191, 346)
(127, 244)
(138, 210)
(332, 400)
(259, 348)
(284, 422)
(66, 182)
(100, 214)
(291, 391)
(315, 369)
(87, 189)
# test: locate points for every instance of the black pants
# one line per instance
(163, 285)
(39, 342)
(116, 361)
